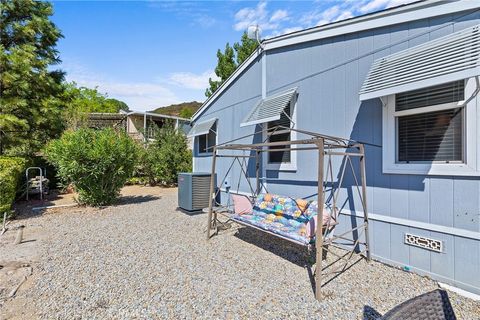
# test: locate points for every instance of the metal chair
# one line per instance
(433, 305)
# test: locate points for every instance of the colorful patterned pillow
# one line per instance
(302, 204)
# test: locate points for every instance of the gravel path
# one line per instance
(146, 260)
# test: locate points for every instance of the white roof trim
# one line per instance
(406, 13)
(201, 128)
(449, 58)
(269, 109)
(155, 115)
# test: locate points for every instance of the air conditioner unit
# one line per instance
(193, 189)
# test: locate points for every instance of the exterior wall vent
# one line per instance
(424, 242)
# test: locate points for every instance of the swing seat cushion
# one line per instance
(281, 215)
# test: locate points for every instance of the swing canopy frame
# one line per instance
(328, 187)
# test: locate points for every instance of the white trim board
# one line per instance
(461, 292)
(402, 14)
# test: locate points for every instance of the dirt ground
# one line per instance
(18, 262)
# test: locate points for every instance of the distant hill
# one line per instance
(184, 110)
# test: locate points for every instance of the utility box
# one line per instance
(193, 189)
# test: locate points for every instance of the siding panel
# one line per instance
(328, 77)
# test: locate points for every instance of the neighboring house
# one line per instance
(140, 122)
(136, 123)
(404, 81)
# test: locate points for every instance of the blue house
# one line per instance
(404, 82)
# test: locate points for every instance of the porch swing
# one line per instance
(296, 219)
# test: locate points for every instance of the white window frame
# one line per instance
(284, 166)
(469, 167)
(197, 141)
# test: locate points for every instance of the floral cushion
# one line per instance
(283, 216)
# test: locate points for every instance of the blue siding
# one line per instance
(329, 74)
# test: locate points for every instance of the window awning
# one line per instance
(270, 108)
(201, 128)
(450, 58)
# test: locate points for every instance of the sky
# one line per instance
(151, 54)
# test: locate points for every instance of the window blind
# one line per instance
(432, 136)
(444, 93)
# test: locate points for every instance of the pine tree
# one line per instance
(30, 111)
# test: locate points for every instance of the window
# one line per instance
(284, 160)
(276, 134)
(206, 141)
(431, 130)
(424, 135)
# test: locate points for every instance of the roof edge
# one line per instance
(410, 12)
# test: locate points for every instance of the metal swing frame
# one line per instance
(327, 147)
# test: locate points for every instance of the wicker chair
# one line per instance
(433, 305)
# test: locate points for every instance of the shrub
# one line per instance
(166, 156)
(11, 170)
(96, 162)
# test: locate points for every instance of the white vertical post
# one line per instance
(264, 74)
(145, 127)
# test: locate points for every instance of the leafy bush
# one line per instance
(166, 156)
(11, 169)
(96, 162)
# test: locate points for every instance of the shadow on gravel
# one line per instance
(289, 251)
(136, 199)
(370, 314)
(298, 255)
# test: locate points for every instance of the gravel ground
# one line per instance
(147, 260)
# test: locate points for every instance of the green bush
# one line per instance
(165, 157)
(96, 162)
(11, 169)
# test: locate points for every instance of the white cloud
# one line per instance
(279, 15)
(373, 5)
(291, 29)
(344, 9)
(137, 95)
(191, 80)
(344, 15)
(205, 21)
(321, 16)
(260, 16)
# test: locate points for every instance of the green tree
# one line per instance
(229, 60)
(80, 101)
(119, 105)
(225, 67)
(166, 156)
(30, 111)
(186, 113)
(96, 162)
(245, 48)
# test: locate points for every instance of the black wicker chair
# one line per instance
(433, 305)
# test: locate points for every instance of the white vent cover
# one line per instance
(450, 58)
(424, 242)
